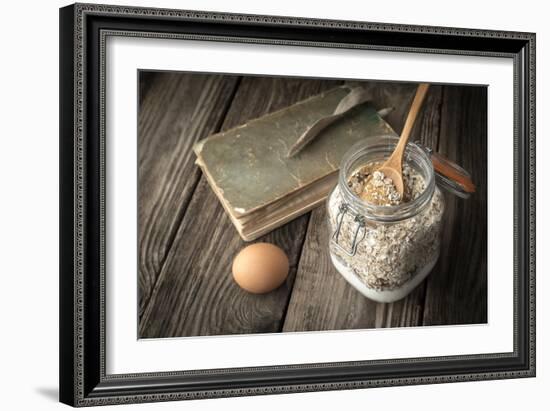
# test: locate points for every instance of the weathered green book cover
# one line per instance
(248, 166)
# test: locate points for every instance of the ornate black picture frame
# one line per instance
(83, 30)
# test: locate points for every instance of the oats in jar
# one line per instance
(385, 241)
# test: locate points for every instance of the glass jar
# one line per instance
(385, 251)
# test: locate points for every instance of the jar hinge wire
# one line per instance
(361, 223)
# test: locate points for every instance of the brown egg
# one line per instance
(260, 268)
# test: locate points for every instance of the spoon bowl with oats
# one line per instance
(393, 167)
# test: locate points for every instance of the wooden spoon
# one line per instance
(393, 167)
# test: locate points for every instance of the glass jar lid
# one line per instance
(449, 175)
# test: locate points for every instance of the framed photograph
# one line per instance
(261, 204)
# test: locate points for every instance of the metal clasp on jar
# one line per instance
(360, 226)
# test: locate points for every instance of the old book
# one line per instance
(258, 185)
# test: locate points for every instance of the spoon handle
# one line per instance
(397, 156)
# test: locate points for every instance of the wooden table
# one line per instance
(187, 243)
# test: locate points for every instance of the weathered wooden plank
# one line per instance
(176, 111)
(322, 299)
(195, 293)
(457, 288)
(145, 81)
